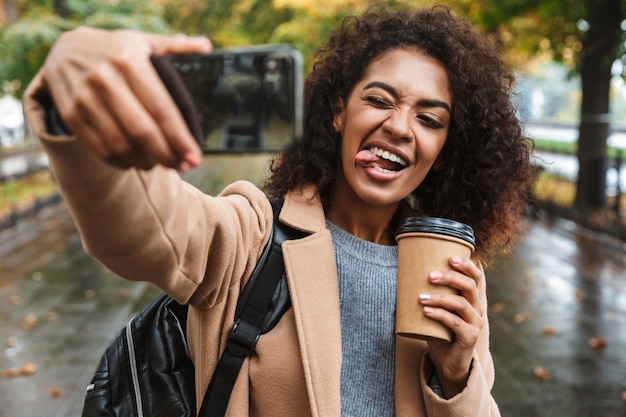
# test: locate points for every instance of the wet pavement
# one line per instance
(557, 315)
(558, 324)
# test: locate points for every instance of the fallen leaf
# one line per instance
(597, 342)
(90, 294)
(52, 316)
(11, 372)
(30, 322)
(54, 392)
(498, 307)
(549, 330)
(29, 368)
(541, 373)
(14, 300)
(521, 317)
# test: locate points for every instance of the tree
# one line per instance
(584, 35)
(23, 48)
(25, 42)
(600, 47)
(227, 23)
(302, 23)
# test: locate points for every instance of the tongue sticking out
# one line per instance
(366, 157)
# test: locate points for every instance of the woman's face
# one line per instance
(393, 126)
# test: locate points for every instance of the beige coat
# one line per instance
(153, 226)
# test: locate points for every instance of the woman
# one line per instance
(404, 113)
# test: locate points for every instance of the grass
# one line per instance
(550, 187)
(570, 148)
(556, 146)
(555, 196)
(555, 190)
(18, 194)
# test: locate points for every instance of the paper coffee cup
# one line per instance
(425, 244)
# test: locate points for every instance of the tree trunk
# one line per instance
(599, 51)
(10, 12)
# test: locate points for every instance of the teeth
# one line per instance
(381, 169)
(388, 156)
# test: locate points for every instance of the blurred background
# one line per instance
(570, 94)
(569, 58)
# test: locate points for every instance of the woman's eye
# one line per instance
(431, 122)
(379, 102)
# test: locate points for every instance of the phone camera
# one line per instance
(271, 65)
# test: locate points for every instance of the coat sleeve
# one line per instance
(151, 225)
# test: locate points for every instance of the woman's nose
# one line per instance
(399, 124)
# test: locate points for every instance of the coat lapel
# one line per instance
(312, 276)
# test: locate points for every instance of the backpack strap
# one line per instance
(261, 304)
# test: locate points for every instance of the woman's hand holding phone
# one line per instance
(106, 90)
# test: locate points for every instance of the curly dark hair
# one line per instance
(486, 171)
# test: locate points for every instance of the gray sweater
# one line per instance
(367, 295)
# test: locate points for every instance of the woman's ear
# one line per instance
(338, 119)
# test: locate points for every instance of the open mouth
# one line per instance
(386, 160)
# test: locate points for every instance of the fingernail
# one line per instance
(435, 276)
(424, 296)
(193, 159)
(428, 310)
(456, 260)
(183, 167)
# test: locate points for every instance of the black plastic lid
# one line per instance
(437, 225)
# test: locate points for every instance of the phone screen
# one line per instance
(239, 100)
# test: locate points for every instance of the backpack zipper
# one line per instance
(133, 368)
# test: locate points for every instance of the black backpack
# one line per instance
(146, 371)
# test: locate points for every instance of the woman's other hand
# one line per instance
(107, 92)
(463, 314)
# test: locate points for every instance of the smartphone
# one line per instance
(240, 100)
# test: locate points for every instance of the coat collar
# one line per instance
(312, 275)
(303, 210)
